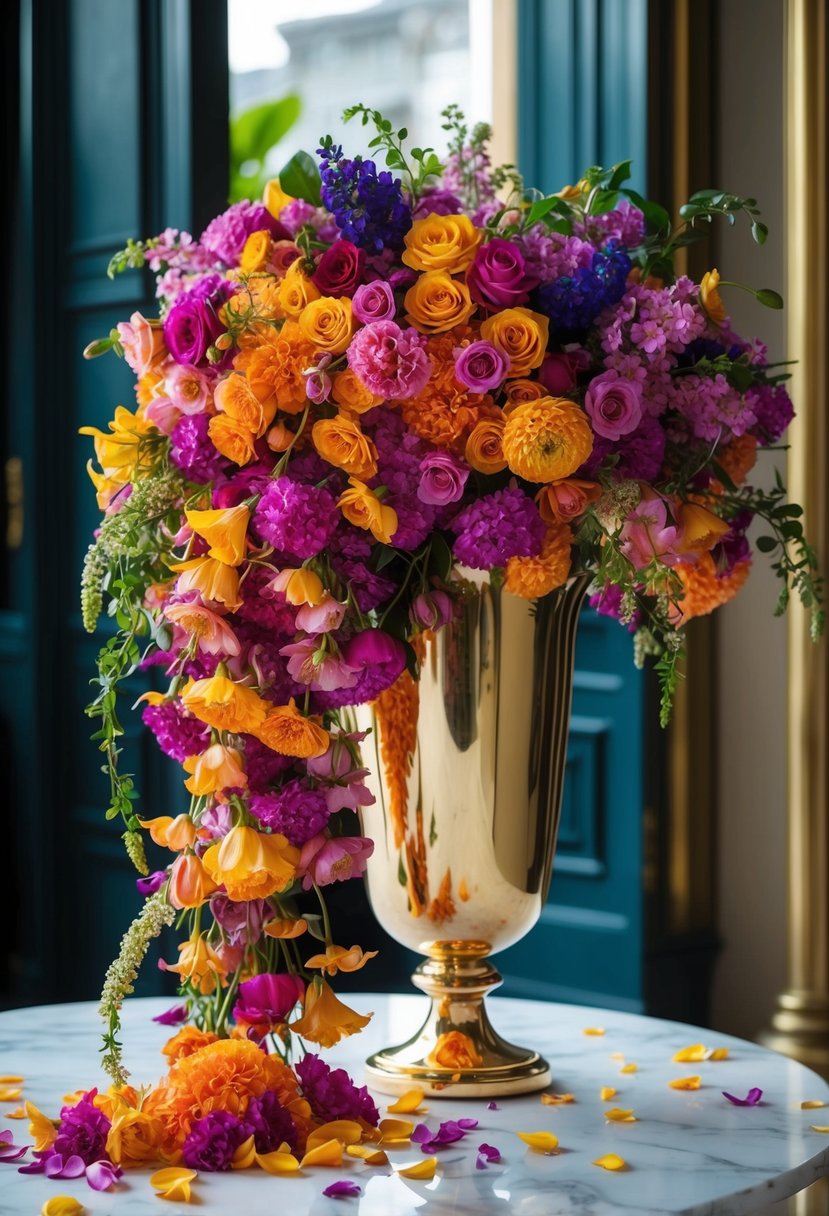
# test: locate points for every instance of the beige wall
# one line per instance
(752, 642)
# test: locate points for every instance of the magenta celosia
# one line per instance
(296, 811)
(179, 734)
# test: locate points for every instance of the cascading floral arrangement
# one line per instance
(353, 391)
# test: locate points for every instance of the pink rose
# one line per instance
(374, 302)
(481, 367)
(442, 479)
(391, 362)
(498, 276)
(432, 610)
(283, 255)
(613, 405)
(143, 343)
(339, 271)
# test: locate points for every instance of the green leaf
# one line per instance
(540, 208)
(440, 557)
(255, 131)
(759, 232)
(769, 298)
(619, 175)
(301, 178)
(656, 217)
(603, 201)
(766, 544)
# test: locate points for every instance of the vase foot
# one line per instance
(457, 1053)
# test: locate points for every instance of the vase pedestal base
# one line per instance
(456, 1053)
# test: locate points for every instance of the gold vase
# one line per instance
(467, 767)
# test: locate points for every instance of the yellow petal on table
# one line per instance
(407, 1103)
(371, 1156)
(690, 1055)
(816, 1128)
(173, 1183)
(617, 1055)
(557, 1099)
(12, 1078)
(539, 1142)
(19, 1112)
(812, 1104)
(10, 1094)
(329, 1153)
(617, 1115)
(395, 1129)
(685, 1083)
(628, 1068)
(606, 1093)
(41, 1128)
(719, 1053)
(344, 1130)
(278, 1163)
(610, 1161)
(245, 1155)
(62, 1205)
(593, 1030)
(423, 1171)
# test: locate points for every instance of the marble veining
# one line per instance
(691, 1153)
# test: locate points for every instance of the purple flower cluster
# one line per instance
(497, 527)
(225, 236)
(213, 1140)
(368, 206)
(332, 1094)
(294, 810)
(270, 1124)
(193, 453)
(399, 458)
(298, 520)
(178, 733)
(573, 302)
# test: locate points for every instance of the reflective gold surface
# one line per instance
(462, 863)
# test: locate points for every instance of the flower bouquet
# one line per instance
(355, 392)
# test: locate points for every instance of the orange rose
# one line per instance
(325, 1019)
(232, 439)
(363, 508)
(251, 864)
(297, 290)
(190, 884)
(547, 440)
(235, 398)
(519, 392)
(342, 443)
(327, 324)
(521, 334)
(562, 501)
(442, 242)
(485, 446)
(287, 731)
(437, 302)
(349, 391)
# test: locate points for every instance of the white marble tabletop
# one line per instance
(689, 1153)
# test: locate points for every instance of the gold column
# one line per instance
(800, 1027)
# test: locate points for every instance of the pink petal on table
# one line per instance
(102, 1174)
(751, 1099)
(421, 1134)
(342, 1190)
(56, 1167)
(492, 1106)
(487, 1155)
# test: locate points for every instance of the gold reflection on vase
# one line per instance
(467, 767)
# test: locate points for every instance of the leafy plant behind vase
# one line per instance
(252, 135)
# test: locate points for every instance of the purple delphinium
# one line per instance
(295, 811)
(368, 206)
(178, 733)
(83, 1131)
(270, 1123)
(497, 527)
(574, 301)
(350, 554)
(193, 453)
(332, 1094)
(213, 1140)
(298, 520)
(225, 236)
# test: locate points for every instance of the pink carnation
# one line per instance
(391, 362)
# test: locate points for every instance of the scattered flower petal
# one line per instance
(617, 1115)
(173, 1183)
(62, 1205)
(12, 1078)
(101, 1175)
(278, 1163)
(41, 1128)
(55, 1166)
(610, 1161)
(628, 1068)
(423, 1171)
(371, 1156)
(328, 1153)
(395, 1129)
(751, 1099)
(607, 1092)
(10, 1095)
(812, 1104)
(487, 1155)
(617, 1055)
(449, 1132)
(174, 1016)
(817, 1128)
(539, 1142)
(685, 1083)
(407, 1103)
(492, 1106)
(347, 1131)
(9, 1151)
(556, 1099)
(690, 1055)
(593, 1030)
(19, 1112)
(245, 1155)
(719, 1053)
(343, 1190)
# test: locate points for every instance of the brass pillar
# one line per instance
(800, 1027)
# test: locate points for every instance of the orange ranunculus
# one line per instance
(363, 508)
(703, 590)
(135, 1138)
(301, 586)
(437, 302)
(337, 958)
(256, 252)
(297, 290)
(710, 298)
(187, 1041)
(349, 392)
(699, 528)
(222, 703)
(215, 581)
(342, 443)
(325, 1019)
(199, 963)
(175, 834)
(547, 440)
(522, 336)
(274, 364)
(190, 884)
(224, 530)
(563, 501)
(485, 446)
(327, 323)
(530, 577)
(251, 864)
(215, 769)
(232, 439)
(442, 242)
(454, 1050)
(287, 731)
(235, 398)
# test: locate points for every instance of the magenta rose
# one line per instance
(192, 324)
(558, 374)
(267, 999)
(613, 405)
(442, 479)
(339, 271)
(432, 609)
(391, 362)
(498, 276)
(481, 367)
(374, 302)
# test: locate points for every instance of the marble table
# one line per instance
(689, 1153)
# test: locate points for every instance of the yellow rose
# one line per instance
(233, 439)
(442, 242)
(255, 253)
(485, 446)
(437, 302)
(350, 392)
(341, 442)
(296, 290)
(521, 334)
(327, 323)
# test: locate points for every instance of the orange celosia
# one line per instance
(327, 324)
(263, 293)
(232, 438)
(350, 393)
(325, 1019)
(289, 732)
(363, 508)
(222, 703)
(337, 958)
(190, 885)
(199, 963)
(341, 442)
(530, 577)
(274, 366)
(217, 768)
(215, 581)
(251, 864)
(236, 399)
(547, 440)
(485, 446)
(454, 1050)
(224, 530)
(521, 334)
(188, 1040)
(703, 591)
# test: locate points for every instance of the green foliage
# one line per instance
(301, 178)
(252, 135)
(416, 168)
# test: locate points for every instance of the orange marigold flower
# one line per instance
(275, 365)
(530, 577)
(263, 290)
(547, 440)
(289, 732)
(325, 1019)
(222, 703)
(703, 591)
(135, 1138)
(186, 1041)
(444, 412)
(341, 442)
(251, 864)
(485, 446)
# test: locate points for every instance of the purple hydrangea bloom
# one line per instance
(332, 1094)
(295, 810)
(640, 454)
(350, 554)
(213, 1140)
(178, 733)
(193, 453)
(270, 1123)
(225, 235)
(83, 1131)
(298, 520)
(773, 408)
(263, 607)
(399, 456)
(436, 201)
(497, 527)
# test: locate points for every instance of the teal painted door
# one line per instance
(583, 101)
